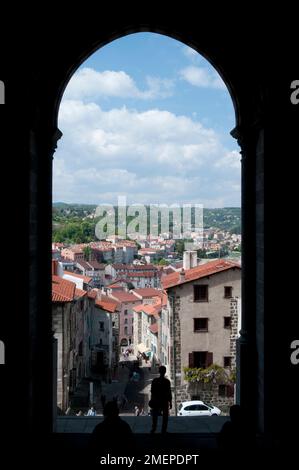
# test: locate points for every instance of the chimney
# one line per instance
(182, 275)
(193, 256)
(186, 260)
(101, 292)
(189, 259)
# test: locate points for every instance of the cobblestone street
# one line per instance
(123, 384)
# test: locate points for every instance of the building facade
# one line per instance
(202, 327)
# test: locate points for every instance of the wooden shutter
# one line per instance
(209, 359)
(191, 359)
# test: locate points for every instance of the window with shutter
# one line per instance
(200, 359)
(191, 359)
(209, 359)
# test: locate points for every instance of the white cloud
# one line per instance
(201, 77)
(191, 54)
(88, 84)
(151, 157)
(229, 160)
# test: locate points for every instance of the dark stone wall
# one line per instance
(39, 55)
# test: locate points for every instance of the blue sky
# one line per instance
(148, 118)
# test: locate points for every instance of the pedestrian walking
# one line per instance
(91, 411)
(161, 400)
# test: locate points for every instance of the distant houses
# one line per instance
(85, 325)
(185, 316)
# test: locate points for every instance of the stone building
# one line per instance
(105, 346)
(164, 338)
(86, 332)
(68, 306)
(146, 319)
(203, 308)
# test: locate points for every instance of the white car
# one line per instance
(197, 408)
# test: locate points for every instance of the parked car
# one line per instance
(197, 408)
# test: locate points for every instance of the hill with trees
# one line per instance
(75, 223)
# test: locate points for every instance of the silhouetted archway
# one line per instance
(248, 104)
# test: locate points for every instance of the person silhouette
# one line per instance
(91, 411)
(161, 400)
(113, 433)
(234, 433)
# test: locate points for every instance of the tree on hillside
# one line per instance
(87, 253)
(163, 262)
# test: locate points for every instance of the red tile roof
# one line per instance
(124, 296)
(149, 309)
(105, 303)
(62, 289)
(138, 308)
(204, 270)
(83, 264)
(80, 292)
(141, 274)
(147, 292)
(96, 265)
(115, 285)
(92, 294)
(56, 297)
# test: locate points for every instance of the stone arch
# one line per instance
(248, 104)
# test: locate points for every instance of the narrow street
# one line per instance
(131, 387)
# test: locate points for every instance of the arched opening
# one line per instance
(190, 146)
(44, 136)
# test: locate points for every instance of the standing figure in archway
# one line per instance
(161, 400)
